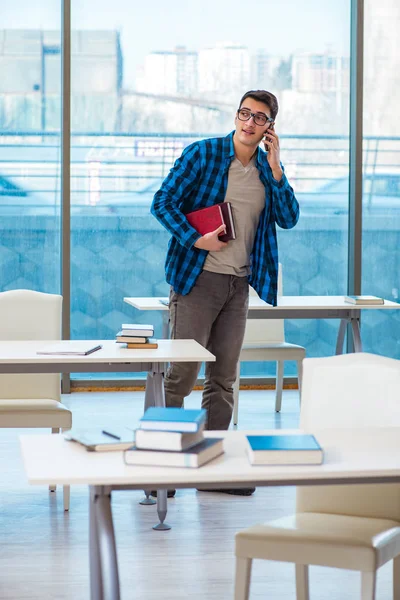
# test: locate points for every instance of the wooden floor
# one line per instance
(44, 551)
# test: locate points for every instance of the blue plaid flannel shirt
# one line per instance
(199, 178)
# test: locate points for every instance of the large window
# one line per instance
(141, 94)
(381, 176)
(141, 90)
(30, 59)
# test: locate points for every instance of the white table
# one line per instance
(22, 357)
(291, 307)
(351, 456)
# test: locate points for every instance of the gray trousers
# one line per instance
(214, 314)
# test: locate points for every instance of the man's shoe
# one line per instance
(232, 491)
(170, 493)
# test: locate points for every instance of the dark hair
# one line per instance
(265, 97)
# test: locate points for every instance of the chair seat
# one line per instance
(276, 350)
(341, 541)
(35, 412)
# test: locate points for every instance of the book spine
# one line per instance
(221, 215)
(232, 225)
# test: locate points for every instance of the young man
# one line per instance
(209, 278)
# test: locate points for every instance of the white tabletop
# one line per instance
(311, 303)
(24, 352)
(348, 455)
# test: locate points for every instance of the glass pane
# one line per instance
(141, 94)
(30, 116)
(381, 198)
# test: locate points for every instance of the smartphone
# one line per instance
(272, 128)
(264, 138)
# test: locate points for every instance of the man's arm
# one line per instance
(285, 207)
(179, 184)
(284, 204)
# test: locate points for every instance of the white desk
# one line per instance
(351, 456)
(292, 307)
(22, 357)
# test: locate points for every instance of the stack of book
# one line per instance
(173, 437)
(137, 335)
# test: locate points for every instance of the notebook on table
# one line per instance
(70, 348)
(102, 440)
(367, 300)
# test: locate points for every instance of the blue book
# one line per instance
(282, 449)
(173, 419)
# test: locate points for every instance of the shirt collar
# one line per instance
(228, 147)
(229, 150)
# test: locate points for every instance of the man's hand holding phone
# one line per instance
(271, 145)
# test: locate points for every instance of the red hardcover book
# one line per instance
(208, 219)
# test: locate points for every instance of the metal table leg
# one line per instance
(162, 511)
(147, 500)
(96, 588)
(157, 396)
(104, 578)
(150, 395)
(355, 328)
(154, 396)
(165, 324)
(340, 337)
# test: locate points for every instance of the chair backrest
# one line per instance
(265, 330)
(30, 315)
(348, 391)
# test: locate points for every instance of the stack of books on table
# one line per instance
(137, 335)
(173, 437)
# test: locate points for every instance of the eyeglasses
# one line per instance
(244, 114)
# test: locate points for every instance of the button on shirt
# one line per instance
(246, 193)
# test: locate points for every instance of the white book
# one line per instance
(70, 348)
(193, 457)
(138, 329)
(140, 326)
(147, 439)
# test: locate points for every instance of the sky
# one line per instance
(281, 27)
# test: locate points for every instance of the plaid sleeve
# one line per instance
(285, 206)
(178, 185)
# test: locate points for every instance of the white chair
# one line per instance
(355, 526)
(32, 400)
(264, 340)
